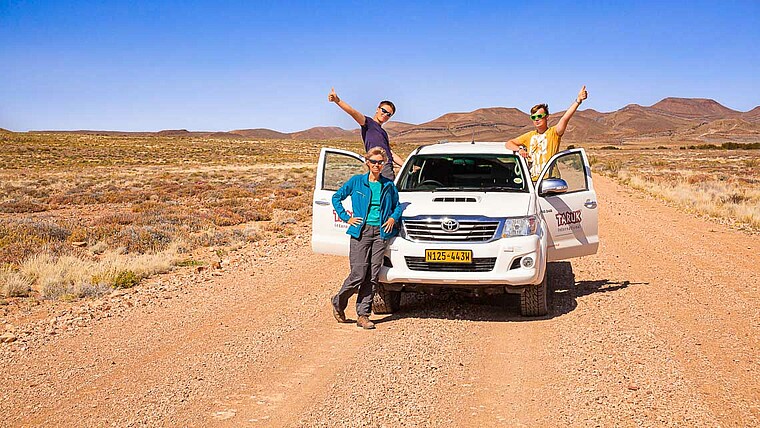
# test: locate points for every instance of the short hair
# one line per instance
(376, 151)
(387, 103)
(538, 107)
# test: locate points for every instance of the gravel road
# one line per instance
(660, 328)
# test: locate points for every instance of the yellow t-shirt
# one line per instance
(541, 147)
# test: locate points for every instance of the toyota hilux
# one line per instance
(472, 220)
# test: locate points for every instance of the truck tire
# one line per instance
(385, 301)
(533, 300)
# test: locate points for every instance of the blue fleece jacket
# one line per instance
(357, 187)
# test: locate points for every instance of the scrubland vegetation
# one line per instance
(722, 184)
(81, 215)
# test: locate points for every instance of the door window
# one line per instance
(570, 168)
(338, 168)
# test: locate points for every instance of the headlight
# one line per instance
(521, 226)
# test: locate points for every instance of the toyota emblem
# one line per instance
(449, 225)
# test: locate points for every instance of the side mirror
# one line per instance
(552, 186)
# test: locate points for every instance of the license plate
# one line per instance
(448, 256)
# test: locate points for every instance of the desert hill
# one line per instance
(675, 119)
(324, 133)
(752, 115)
(694, 108)
(733, 130)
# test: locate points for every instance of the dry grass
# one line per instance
(71, 276)
(724, 184)
(81, 214)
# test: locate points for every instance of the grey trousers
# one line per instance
(365, 256)
(387, 172)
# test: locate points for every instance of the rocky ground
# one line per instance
(660, 328)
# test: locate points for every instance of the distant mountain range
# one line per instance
(677, 119)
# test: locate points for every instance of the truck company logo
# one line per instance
(568, 217)
(449, 225)
(337, 222)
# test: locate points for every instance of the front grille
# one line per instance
(485, 264)
(469, 230)
(454, 199)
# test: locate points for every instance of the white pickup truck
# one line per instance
(472, 220)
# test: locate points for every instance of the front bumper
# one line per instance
(504, 272)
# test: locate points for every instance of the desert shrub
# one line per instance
(609, 148)
(740, 146)
(189, 262)
(45, 229)
(98, 248)
(92, 289)
(275, 227)
(21, 206)
(122, 218)
(20, 239)
(612, 166)
(78, 234)
(726, 146)
(81, 194)
(125, 279)
(704, 147)
(751, 163)
(212, 238)
(148, 206)
(732, 198)
(290, 204)
(303, 214)
(237, 192)
(13, 284)
(288, 192)
(698, 178)
(141, 239)
(256, 212)
(225, 217)
(249, 234)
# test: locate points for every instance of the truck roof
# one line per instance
(453, 148)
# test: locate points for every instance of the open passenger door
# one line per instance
(328, 232)
(571, 216)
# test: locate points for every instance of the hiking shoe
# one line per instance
(339, 315)
(364, 322)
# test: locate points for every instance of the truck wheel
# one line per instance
(385, 301)
(533, 300)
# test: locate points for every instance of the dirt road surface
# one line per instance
(660, 328)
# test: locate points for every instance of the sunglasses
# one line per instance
(375, 162)
(537, 116)
(386, 112)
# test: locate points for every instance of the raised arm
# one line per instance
(334, 98)
(562, 125)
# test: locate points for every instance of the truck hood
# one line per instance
(489, 204)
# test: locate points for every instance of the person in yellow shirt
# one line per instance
(540, 145)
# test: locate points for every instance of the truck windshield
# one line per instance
(465, 172)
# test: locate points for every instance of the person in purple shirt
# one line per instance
(373, 133)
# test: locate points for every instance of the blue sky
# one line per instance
(226, 65)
